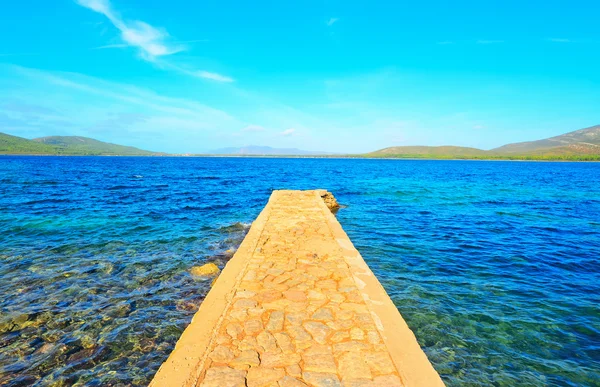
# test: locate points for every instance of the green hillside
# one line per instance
(426, 152)
(583, 144)
(582, 141)
(77, 145)
(65, 145)
(17, 145)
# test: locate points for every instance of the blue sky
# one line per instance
(341, 76)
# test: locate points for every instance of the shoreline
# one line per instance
(311, 157)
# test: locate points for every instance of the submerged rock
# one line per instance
(223, 257)
(207, 270)
(187, 306)
(13, 322)
(329, 200)
(46, 349)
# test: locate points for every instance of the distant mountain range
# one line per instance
(583, 144)
(256, 150)
(66, 145)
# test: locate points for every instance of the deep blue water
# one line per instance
(494, 265)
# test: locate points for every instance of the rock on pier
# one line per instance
(297, 305)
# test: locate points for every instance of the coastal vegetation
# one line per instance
(579, 145)
(487, 155)
(18, 145)
(67, 146)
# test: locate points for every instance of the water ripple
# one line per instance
(494, 265)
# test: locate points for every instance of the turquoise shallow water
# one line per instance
(494, 265)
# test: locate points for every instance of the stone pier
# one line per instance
(297, 305)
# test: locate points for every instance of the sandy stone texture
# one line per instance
(298, 318)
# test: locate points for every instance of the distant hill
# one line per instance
(428, 151)
(583, 144)
(583, 141)
(65, 145)
(255, 150)
(18, 145)
(89, 146)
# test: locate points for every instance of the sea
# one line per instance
(495, 265)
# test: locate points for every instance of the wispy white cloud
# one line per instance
(213, 76)
(560, 40)
(27, 118)
(331, 21)
(127, 114)
(195, 73)
(118, 45)
(483, 41)
(124, 45)
(110, 111)
(152, 42)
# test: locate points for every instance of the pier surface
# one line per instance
(297, 305)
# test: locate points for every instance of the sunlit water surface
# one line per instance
(494, 265)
